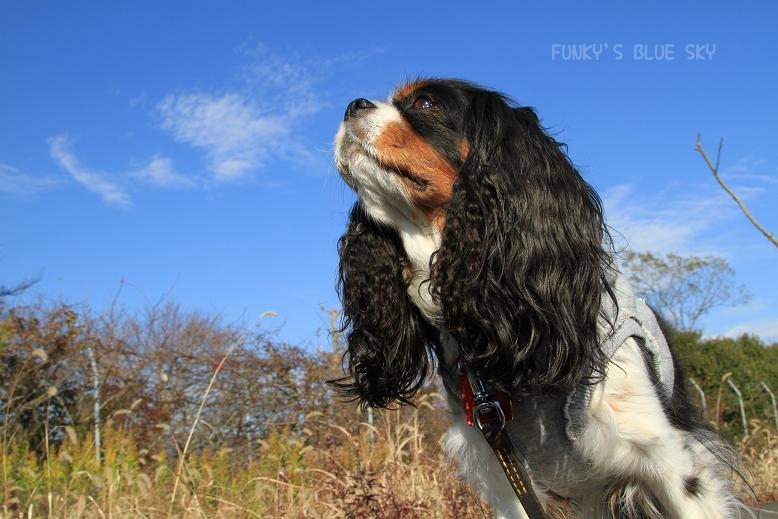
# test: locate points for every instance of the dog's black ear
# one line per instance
(521, 269)
(387, 351)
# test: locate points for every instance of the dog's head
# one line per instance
(520, 269)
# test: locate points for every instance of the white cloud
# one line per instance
(750, 169)
(684, 220)
(697, 222)
(109, 191)
(239, 129)
(236, 135)
(161, 172)
(764, 178)
(284, 84)
(662, 223)
(244, 128)
(750, 177)
(114, 188)
(13, 181)
(767, 329)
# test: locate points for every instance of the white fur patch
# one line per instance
(479, 465)
(629, 438)
(385, 197)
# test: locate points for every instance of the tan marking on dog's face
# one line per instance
(428, 176)
(381, 154)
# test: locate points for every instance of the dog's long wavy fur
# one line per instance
(389, 343)
(523, 260)
(522, 256)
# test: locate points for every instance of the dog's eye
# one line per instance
(423, 102)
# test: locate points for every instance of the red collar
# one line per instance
(468, 400)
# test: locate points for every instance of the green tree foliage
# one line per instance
(683, 288)
(749, 362)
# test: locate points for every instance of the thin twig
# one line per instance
(234, 505)
(715, 170)
(182, 458)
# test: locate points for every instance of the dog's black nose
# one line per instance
(355, 106)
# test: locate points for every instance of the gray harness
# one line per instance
(543, 436)
(635, 320)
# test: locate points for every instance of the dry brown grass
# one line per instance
(176, 411)
(395, 469)
(760, 453)
(389, 471)
(392, 470)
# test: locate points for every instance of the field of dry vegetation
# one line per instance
(195, 418)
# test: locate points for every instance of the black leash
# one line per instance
(489, 411)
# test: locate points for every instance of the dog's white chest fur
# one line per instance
(420, 242)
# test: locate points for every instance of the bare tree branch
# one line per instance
(15, 291)
(683, 288)
(715, 170)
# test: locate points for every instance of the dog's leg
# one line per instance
(479, 465)
(686, 479)
(661, 491)
(630, 439)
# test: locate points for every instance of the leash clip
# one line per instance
(483, 406)
(487, 411)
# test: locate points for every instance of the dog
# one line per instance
(475, 242)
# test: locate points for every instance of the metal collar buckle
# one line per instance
(485, 413)
(483, 406)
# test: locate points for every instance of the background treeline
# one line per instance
(746, 361)
(198, 418)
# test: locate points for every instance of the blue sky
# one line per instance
(182, 151)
